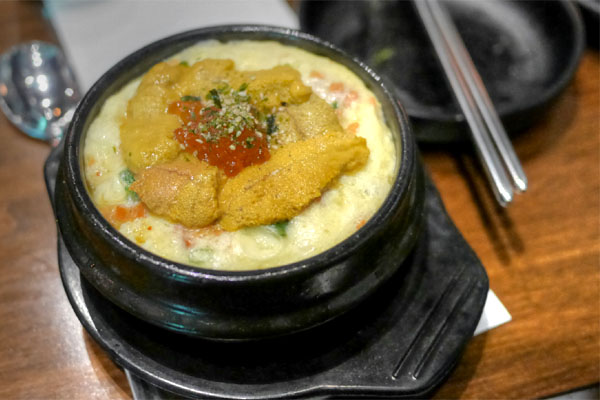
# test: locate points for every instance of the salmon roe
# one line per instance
(228, 137)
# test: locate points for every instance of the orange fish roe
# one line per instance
(227, 133)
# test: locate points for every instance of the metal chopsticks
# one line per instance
(491, 142)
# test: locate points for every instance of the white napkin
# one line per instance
(494, 314)
(95, 34)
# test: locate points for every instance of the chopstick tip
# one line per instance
(504, 197)
(521, 184)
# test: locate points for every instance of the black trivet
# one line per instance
(402, 342)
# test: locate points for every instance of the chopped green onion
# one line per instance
(184, 63)
(281, 228)
(131, 195)
(243, 87)
(383, 55)
(127, 178)
(334, 105)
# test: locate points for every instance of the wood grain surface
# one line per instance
(542, 255)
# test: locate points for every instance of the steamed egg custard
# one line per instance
(240, 155)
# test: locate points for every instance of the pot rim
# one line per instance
(375, 225)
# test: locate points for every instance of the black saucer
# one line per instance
(403, 342)
(526, 51)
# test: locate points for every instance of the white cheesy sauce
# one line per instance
(340, 211)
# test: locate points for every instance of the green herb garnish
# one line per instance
(224, 88)
(213, 95)
(334, 105)
(184, 63)
(191, 98)
(271, 126)
(243, 87)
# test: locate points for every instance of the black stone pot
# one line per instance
(249, 304)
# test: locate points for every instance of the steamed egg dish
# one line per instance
(240, 155)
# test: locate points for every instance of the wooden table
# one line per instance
(542, 256)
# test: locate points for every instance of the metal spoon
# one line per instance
(38, 90)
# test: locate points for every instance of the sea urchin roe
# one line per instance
(225, 131)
